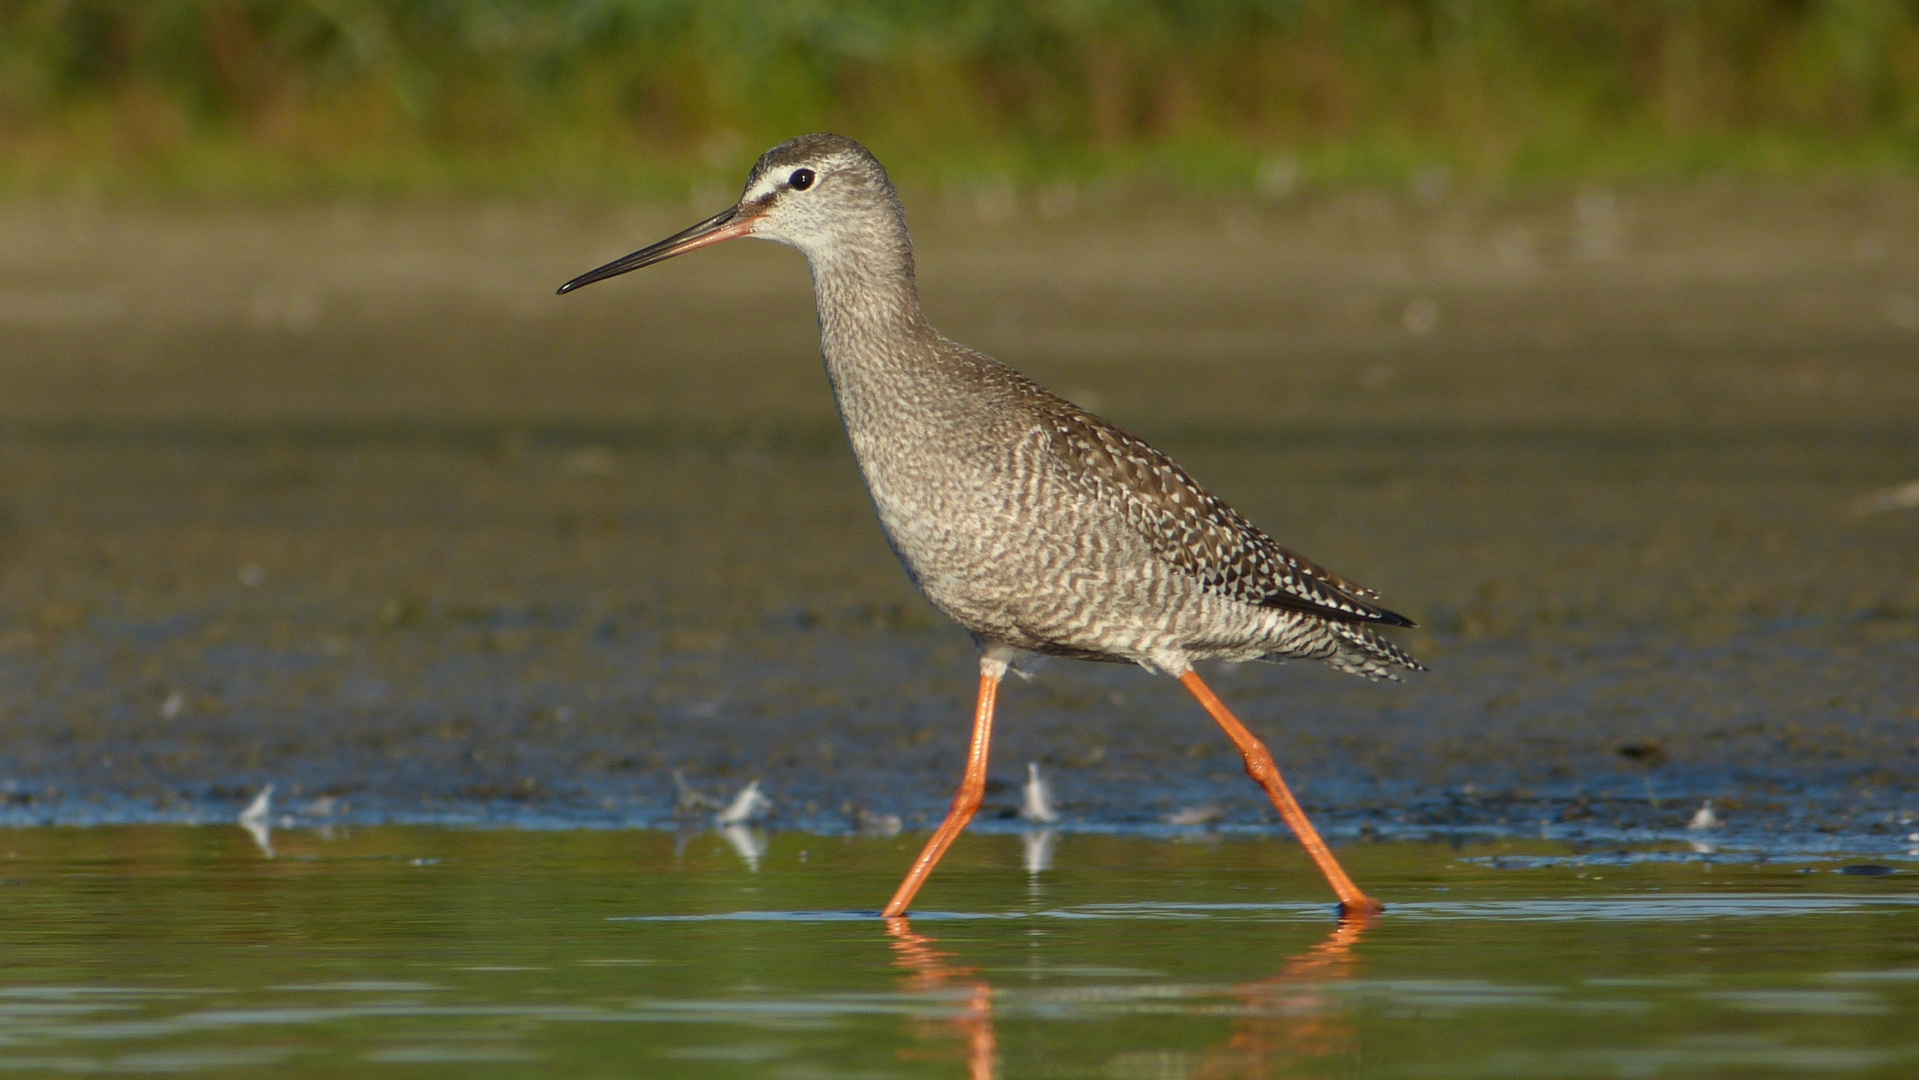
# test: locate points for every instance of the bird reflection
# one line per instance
(1285, 1022)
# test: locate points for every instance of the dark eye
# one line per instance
(800, 180)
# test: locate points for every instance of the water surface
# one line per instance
(429, 952)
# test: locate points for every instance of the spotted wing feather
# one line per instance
(1192, 529)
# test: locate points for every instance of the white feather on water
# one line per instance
(870, 823)
(1704, 817)
(256, 820)
(1036, 803)
(688, 799)
(746, 806)
(1194, 816)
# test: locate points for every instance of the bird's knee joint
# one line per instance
(1260, 767)
(968, 801)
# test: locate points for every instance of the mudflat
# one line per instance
(342, 498)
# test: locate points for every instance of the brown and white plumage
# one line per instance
(1196, 532)
(1035, 525)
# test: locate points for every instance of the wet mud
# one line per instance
(344, 500)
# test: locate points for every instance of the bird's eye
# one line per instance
(800, 180)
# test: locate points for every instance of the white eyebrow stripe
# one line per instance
(766, 186)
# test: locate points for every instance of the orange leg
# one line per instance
(965, 804)
(1259, 766)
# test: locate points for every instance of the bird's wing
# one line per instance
(1192, 529)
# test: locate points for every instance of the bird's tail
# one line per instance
(1360, 651)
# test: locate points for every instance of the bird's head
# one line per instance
(818, 193)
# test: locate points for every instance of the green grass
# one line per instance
(649, 96)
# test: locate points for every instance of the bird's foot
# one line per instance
(1364, 907)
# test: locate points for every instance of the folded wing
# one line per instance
(1192, 529)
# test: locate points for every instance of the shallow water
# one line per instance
(429, 952)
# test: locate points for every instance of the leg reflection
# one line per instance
(1286, 1022)
(931, 972)
(1289, 1021)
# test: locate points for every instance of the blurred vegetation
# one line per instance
(626, 95)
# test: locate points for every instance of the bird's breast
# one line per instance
(993, 538)
(950, 501)
(985, 516)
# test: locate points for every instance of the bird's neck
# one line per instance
(889, 369)
(869, 303)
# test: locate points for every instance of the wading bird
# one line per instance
(1034, 524)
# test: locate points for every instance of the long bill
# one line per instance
(724, 225)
